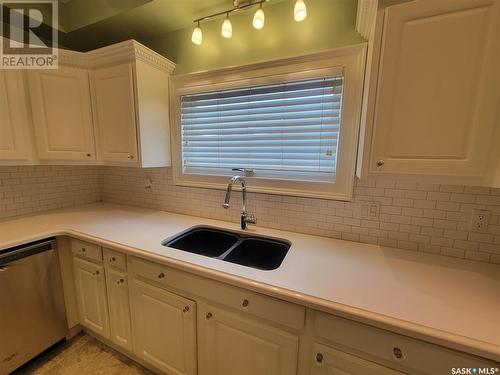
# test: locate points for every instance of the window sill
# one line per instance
(275, 187)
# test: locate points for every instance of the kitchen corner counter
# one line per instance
(451, 302)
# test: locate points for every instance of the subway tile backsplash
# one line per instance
(429, 218)
(26, 190)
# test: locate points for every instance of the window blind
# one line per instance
(290, 130)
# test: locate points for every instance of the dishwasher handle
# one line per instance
(19, 252)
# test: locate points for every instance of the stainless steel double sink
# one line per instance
(252, 251)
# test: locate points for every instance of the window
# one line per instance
(292, 125)
(287, 131)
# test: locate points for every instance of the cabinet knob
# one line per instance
(319, 358)
(89, 155)
(113, 259)
(245, 303)
(397, 352)
(185, 309)
(161, 275)
(96, 273)
(130, 156)
(380, 163)
(209, 315)
(119, 282)
(83, 250)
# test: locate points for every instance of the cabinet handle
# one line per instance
(319, 357)
(113, 259)
(398, 353)
(119, 282)
(161, 275)
(96, 273)
(185, 309)
(380, 163)
(89, 155)
(83, 249)
(245, 303)
(131, 157)
(209, 315)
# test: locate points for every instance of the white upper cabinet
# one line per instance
(15, 140)
(130, 92)
(115, 111)
(62, 114)
(107, 106)
(434, 105)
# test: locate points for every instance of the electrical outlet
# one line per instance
(479, 220)
(370, 210)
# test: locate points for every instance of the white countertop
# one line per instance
(447, 301)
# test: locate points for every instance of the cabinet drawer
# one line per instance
(114, 259)
(392, 349)
(281, 312)
(86, 250)
(329, 361)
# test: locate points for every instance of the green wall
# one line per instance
(329, 24)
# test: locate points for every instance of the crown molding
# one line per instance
(128, 51)
(72, 59)
(151, 57)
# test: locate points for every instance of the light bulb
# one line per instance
(227, 28)
(258, 19)
(300, 11)
(197, 36)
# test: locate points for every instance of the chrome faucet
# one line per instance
(246, 218)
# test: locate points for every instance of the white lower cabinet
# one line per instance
(91, 296)
(118, 305)
(231, 344)
(329, 361)
(225, 330)
(164, 328)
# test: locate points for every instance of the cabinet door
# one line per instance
(91, 296)
(119, 309)
(62, 114)
(233, 344)
(329, 361)
(116, 117)
(15, 143)
(438, 81)
(164, 328)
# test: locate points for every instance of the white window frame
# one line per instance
(347, 61)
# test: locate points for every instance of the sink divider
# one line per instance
(228, 251)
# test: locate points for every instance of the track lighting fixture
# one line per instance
(197, 36)
(259, 18)
(227, 28)
(299, 11)
(299, 14)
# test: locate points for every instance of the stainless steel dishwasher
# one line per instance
(32, 311)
